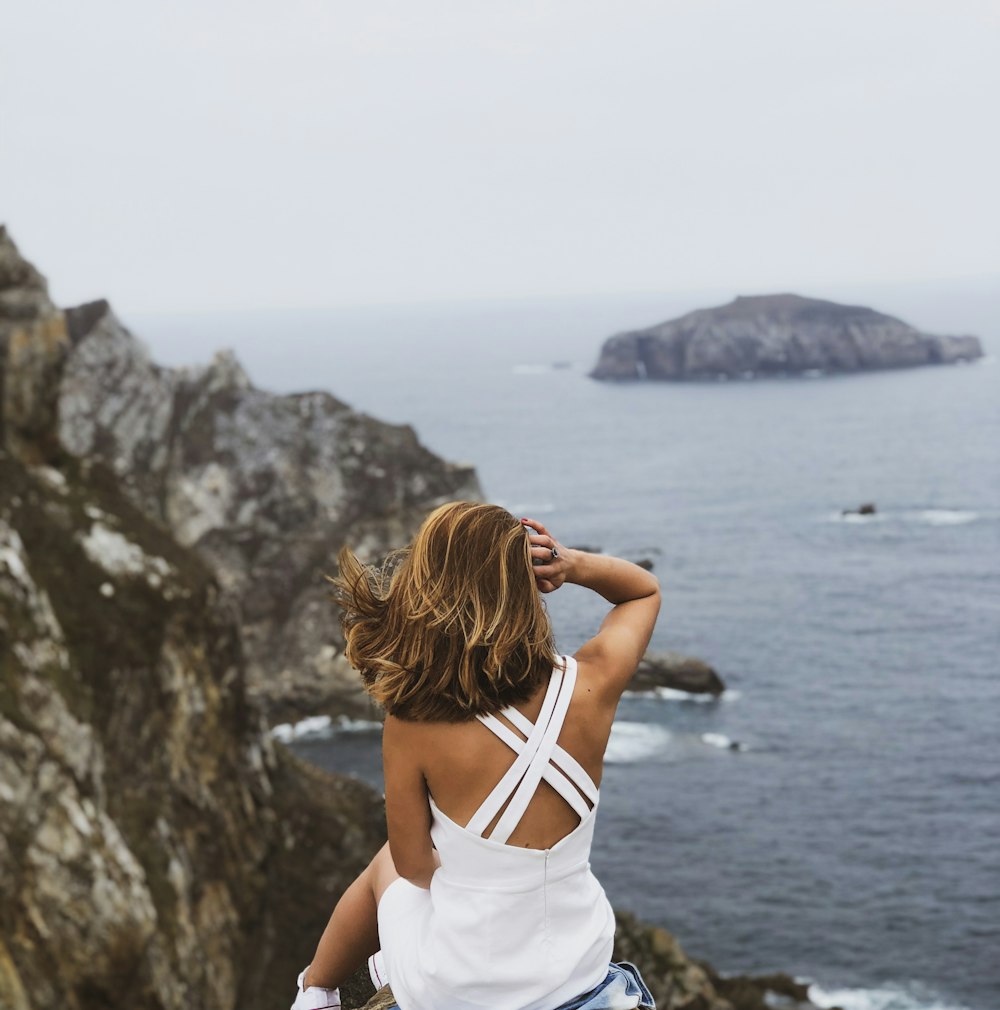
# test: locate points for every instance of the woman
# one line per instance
(493, 750)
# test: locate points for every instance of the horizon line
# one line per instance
(470, 300)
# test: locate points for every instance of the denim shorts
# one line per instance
(622, 989)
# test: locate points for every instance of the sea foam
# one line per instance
(947, 517)
(673, 694)
(722, 741)
(322, 727)
(927, 517)
(634, 741)
(888, 996)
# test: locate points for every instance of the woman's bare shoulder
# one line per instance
(593, 684)
(423, 733)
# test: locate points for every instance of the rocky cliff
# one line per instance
(266, 488)
(781, 334)
(154, 843)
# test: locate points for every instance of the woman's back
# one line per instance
(463, 762)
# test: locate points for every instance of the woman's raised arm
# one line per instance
(615, 651)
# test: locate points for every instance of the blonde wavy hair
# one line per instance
(452, 625)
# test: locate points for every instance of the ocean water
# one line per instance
(836, 813)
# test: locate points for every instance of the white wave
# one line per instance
(947, 517)
(722, 741)
(319, 727)
(886, 997)
(931, 517)
(348, 725)
(673, 694)
(856, 517)
(314, 725)
(633, 741)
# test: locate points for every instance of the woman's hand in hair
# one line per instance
(550, 572)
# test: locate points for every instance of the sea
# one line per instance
(835, 814)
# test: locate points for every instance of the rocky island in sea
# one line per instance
(769, 335)
(159, 850)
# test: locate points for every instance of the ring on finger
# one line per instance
(555, 553)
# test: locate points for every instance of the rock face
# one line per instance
(783, 334)
(33, 339)
(680, 982)
(157, 850)
(266, 488)
(676, 671)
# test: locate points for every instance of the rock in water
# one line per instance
(867, 509)
(676, 671)
(680, 982)
(784, 334)
(265, 487)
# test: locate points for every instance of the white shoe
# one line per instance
(315, 997)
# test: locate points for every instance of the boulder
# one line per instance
(677, 671)
(760, 992)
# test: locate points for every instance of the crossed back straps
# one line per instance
(538, 757)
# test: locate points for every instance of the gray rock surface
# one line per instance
(782, 334)
(678, 672)
(33, 342)
(265, 487)
(157, 848)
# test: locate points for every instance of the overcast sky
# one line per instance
(209, 154)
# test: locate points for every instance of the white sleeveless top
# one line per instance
(504, 927)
